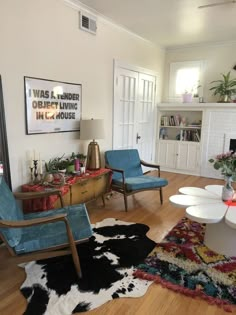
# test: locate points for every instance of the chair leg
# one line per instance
(126, 202)
(73, 249)
(103, 201)
(161, 196)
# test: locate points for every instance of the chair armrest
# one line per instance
(119, 170)
(36, 194)
(39, 194)
(150, 164)
(32, 222)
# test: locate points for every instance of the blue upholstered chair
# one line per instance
(128, 177)
(48, 233)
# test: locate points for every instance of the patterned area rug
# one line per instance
(107, 260)
(182, 263)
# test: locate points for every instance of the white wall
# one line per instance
(219, 58)
(41, 38)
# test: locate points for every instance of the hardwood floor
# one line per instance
(144, 208)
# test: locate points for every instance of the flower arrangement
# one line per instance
(226, 162)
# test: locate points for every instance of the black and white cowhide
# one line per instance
(108, 261)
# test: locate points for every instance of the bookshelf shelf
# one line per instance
(183, 127)
(179, 139)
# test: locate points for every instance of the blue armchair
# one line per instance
(128, 177)
(48, 233)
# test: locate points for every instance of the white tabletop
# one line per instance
(215, 189)
(230, 217)
(196, 191)
(205, 205)
(184, 201)
(208, 213)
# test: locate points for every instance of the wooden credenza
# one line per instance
(78, 189)
(87, 188)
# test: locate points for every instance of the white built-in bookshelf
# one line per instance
(180, 125)
(189, 134)
(179, 136)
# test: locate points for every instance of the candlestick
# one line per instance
(36, 171)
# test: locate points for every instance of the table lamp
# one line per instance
(91, 129)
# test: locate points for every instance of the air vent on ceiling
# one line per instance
(88, 22)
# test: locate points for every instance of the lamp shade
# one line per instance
(91, 129)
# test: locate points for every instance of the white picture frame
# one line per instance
(51, 106)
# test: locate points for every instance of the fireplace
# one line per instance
(229, 142)
(232, 145)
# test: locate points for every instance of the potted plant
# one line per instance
(55, 164)
(70, 168)
(225, 88)
(191, 92)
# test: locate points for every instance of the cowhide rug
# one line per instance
(108, 262)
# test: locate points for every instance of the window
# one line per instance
(185, 77)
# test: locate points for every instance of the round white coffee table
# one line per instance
(206, 206)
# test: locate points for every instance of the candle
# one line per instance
(40, 167)
(34, 154)
(31, 163)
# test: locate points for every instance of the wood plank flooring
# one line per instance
(144, 208)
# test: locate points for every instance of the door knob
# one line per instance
(138, 137)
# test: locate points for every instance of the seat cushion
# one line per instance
(141, 182)
(128, 160)
(9, 211)
(52, 234)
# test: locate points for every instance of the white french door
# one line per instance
(133, 115)
(145, 116)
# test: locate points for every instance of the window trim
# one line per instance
(174, 67)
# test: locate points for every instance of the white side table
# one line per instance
(206, 206)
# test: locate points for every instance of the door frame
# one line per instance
(3, 140)
(117, 63)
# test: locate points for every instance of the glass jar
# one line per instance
(227, 191)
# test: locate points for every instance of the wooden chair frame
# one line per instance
(50, 252)
(122, 189)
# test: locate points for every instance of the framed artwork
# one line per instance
(51, 106)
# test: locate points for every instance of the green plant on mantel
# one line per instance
(225, 88)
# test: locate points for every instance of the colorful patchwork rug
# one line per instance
(182, 263)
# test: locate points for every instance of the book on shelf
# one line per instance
(164, 121)
(172, 120)
(189, 135)
(177, 119)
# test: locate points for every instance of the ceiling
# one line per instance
(171, 23)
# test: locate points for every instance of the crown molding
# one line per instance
(76, 5)
(206, 44)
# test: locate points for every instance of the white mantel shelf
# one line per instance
(202, 106)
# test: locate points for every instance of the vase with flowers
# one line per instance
(226, 162)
